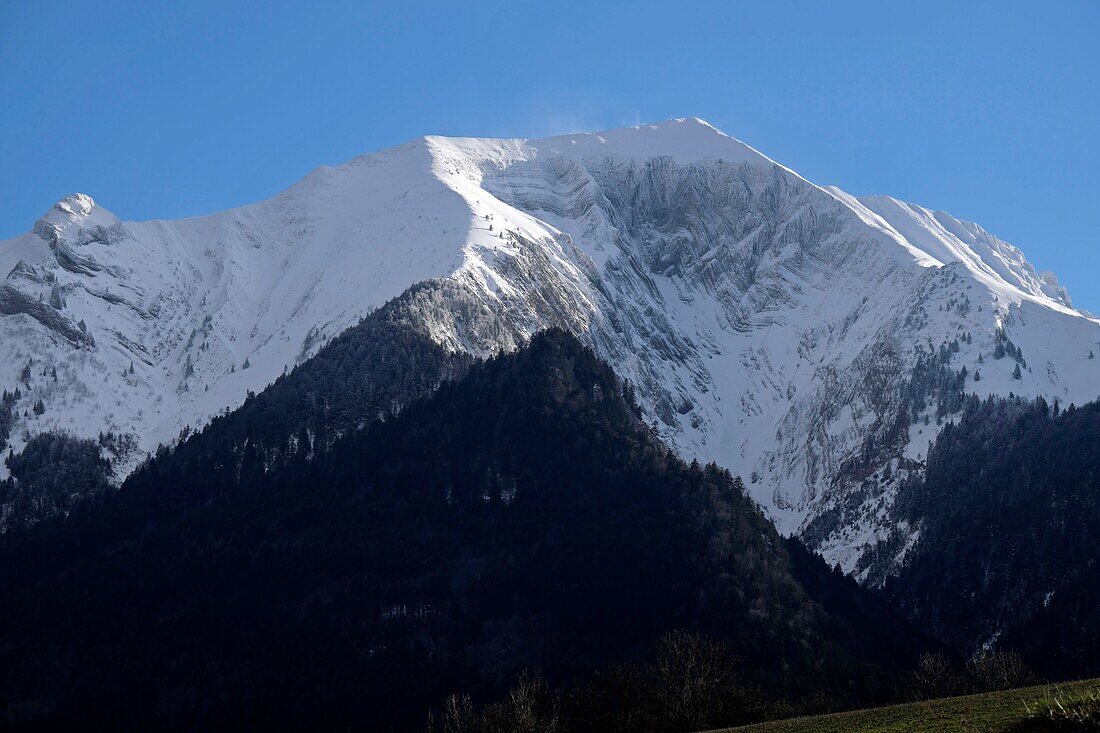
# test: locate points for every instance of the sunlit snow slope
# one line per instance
(769, 324)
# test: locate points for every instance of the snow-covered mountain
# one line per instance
(780, 328)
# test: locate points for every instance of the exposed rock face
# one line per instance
(797, 334)
(15, 302)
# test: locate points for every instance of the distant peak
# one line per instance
(74, 212)
(691, 121)
(685, 139)
(76, 205)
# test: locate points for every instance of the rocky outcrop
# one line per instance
(15, 303)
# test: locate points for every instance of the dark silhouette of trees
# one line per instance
(1009, 517)
(520, 518)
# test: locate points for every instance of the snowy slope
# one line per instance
(769, 324)
(188, 302)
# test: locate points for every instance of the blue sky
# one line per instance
(990, 111)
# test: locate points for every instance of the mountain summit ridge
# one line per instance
(770, 324)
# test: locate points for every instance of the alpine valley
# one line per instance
(811, 340)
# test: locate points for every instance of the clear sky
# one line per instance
(990, 111)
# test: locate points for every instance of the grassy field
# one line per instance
(992, 712)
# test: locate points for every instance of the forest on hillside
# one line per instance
(519, 523)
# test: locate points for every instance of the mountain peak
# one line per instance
(685, 139)
(77, 209)
(746, 303)
(76, 204)
(688, 123)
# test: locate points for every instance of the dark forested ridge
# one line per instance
(52, 473)
(370, 370)
(521, 518)
(1009, 517)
